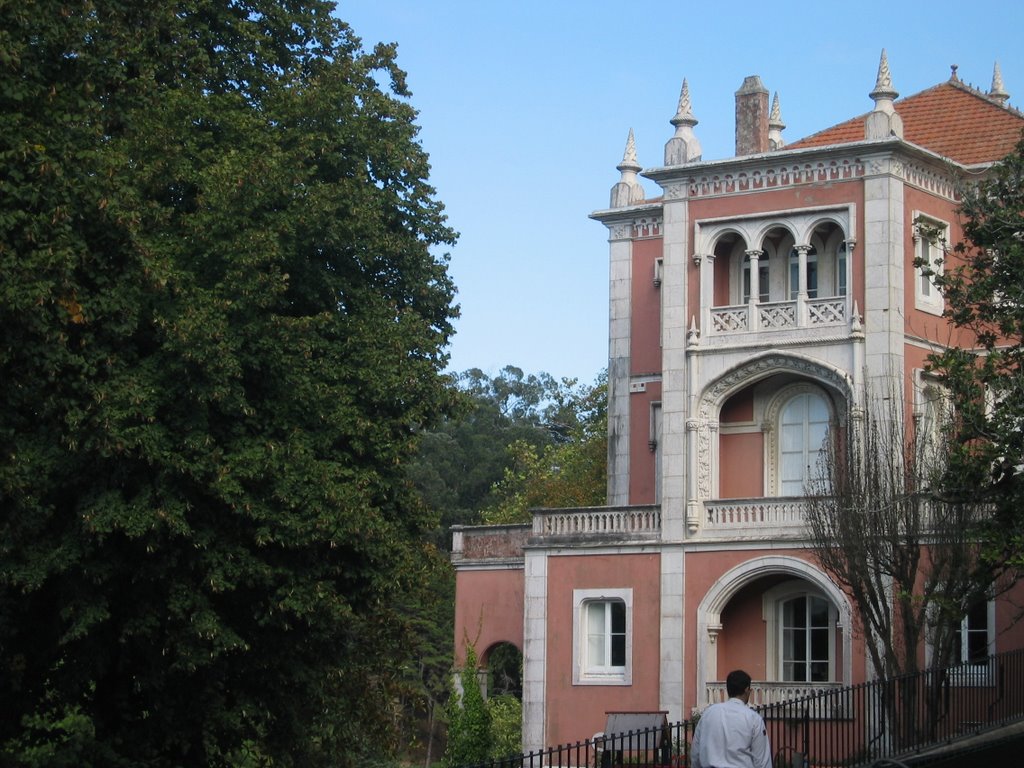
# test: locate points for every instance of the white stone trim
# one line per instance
(581, 598)
(770, 426)
(932, 302)
(535, 618)
(709, 611)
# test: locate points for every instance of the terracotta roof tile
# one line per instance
(951, 119)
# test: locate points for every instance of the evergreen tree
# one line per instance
(223, 327)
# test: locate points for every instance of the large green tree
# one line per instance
(223, 325)
(982, 282)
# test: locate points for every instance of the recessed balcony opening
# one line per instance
(781, 281)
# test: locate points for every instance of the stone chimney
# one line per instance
(751, 117)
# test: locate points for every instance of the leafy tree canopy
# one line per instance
(569, 473)
(983, 287)
(514, 427)
(224, 326)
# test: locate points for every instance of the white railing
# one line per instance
(779, 315)
(743, 513)
(727, 319)
(765, 692)
(598, 521)
(776, 315)
(831, 311)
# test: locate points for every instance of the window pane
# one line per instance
(618, 636)
(596, 635)
(841, 271)
(618, 617)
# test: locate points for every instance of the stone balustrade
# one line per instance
(590, 522)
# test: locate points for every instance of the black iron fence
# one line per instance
(853, 726)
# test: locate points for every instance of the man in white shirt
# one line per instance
(731, 734)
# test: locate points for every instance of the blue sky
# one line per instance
(524, 108)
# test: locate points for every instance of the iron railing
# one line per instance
(852, 726)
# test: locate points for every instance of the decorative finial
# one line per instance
(775, 125)
(952, 72)
(883, 121)
(684, 146)
(883, 84)
(998, 91)
(684, 113)
(629, 156)
(628, 190)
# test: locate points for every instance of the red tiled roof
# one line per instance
(951, 119)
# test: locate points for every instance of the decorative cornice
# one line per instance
(928, 179)
(647, 226)
(774, 177)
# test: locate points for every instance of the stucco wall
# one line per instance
(489, 609)
(578, 712)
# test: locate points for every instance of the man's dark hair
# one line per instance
(737, 682)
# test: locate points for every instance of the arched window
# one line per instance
(803, 426)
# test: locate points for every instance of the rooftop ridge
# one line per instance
(974, 91)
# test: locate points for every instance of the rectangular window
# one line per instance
(973, 646)
(929, 248)
(606, 635)
(972, 642)
(806, 640)
(602, 636)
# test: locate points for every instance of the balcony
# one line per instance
(778, 517)
(822, 706)
(774, 316)
(589, 523)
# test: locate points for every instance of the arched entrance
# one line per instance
(769, 614)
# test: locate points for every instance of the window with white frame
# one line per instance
(929, 248)
(806, 642)
(602, 636)
(974, 643)
(803, 427)
(801, 640)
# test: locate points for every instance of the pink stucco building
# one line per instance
(752, 304)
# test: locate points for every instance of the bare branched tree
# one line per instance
(882, 526)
